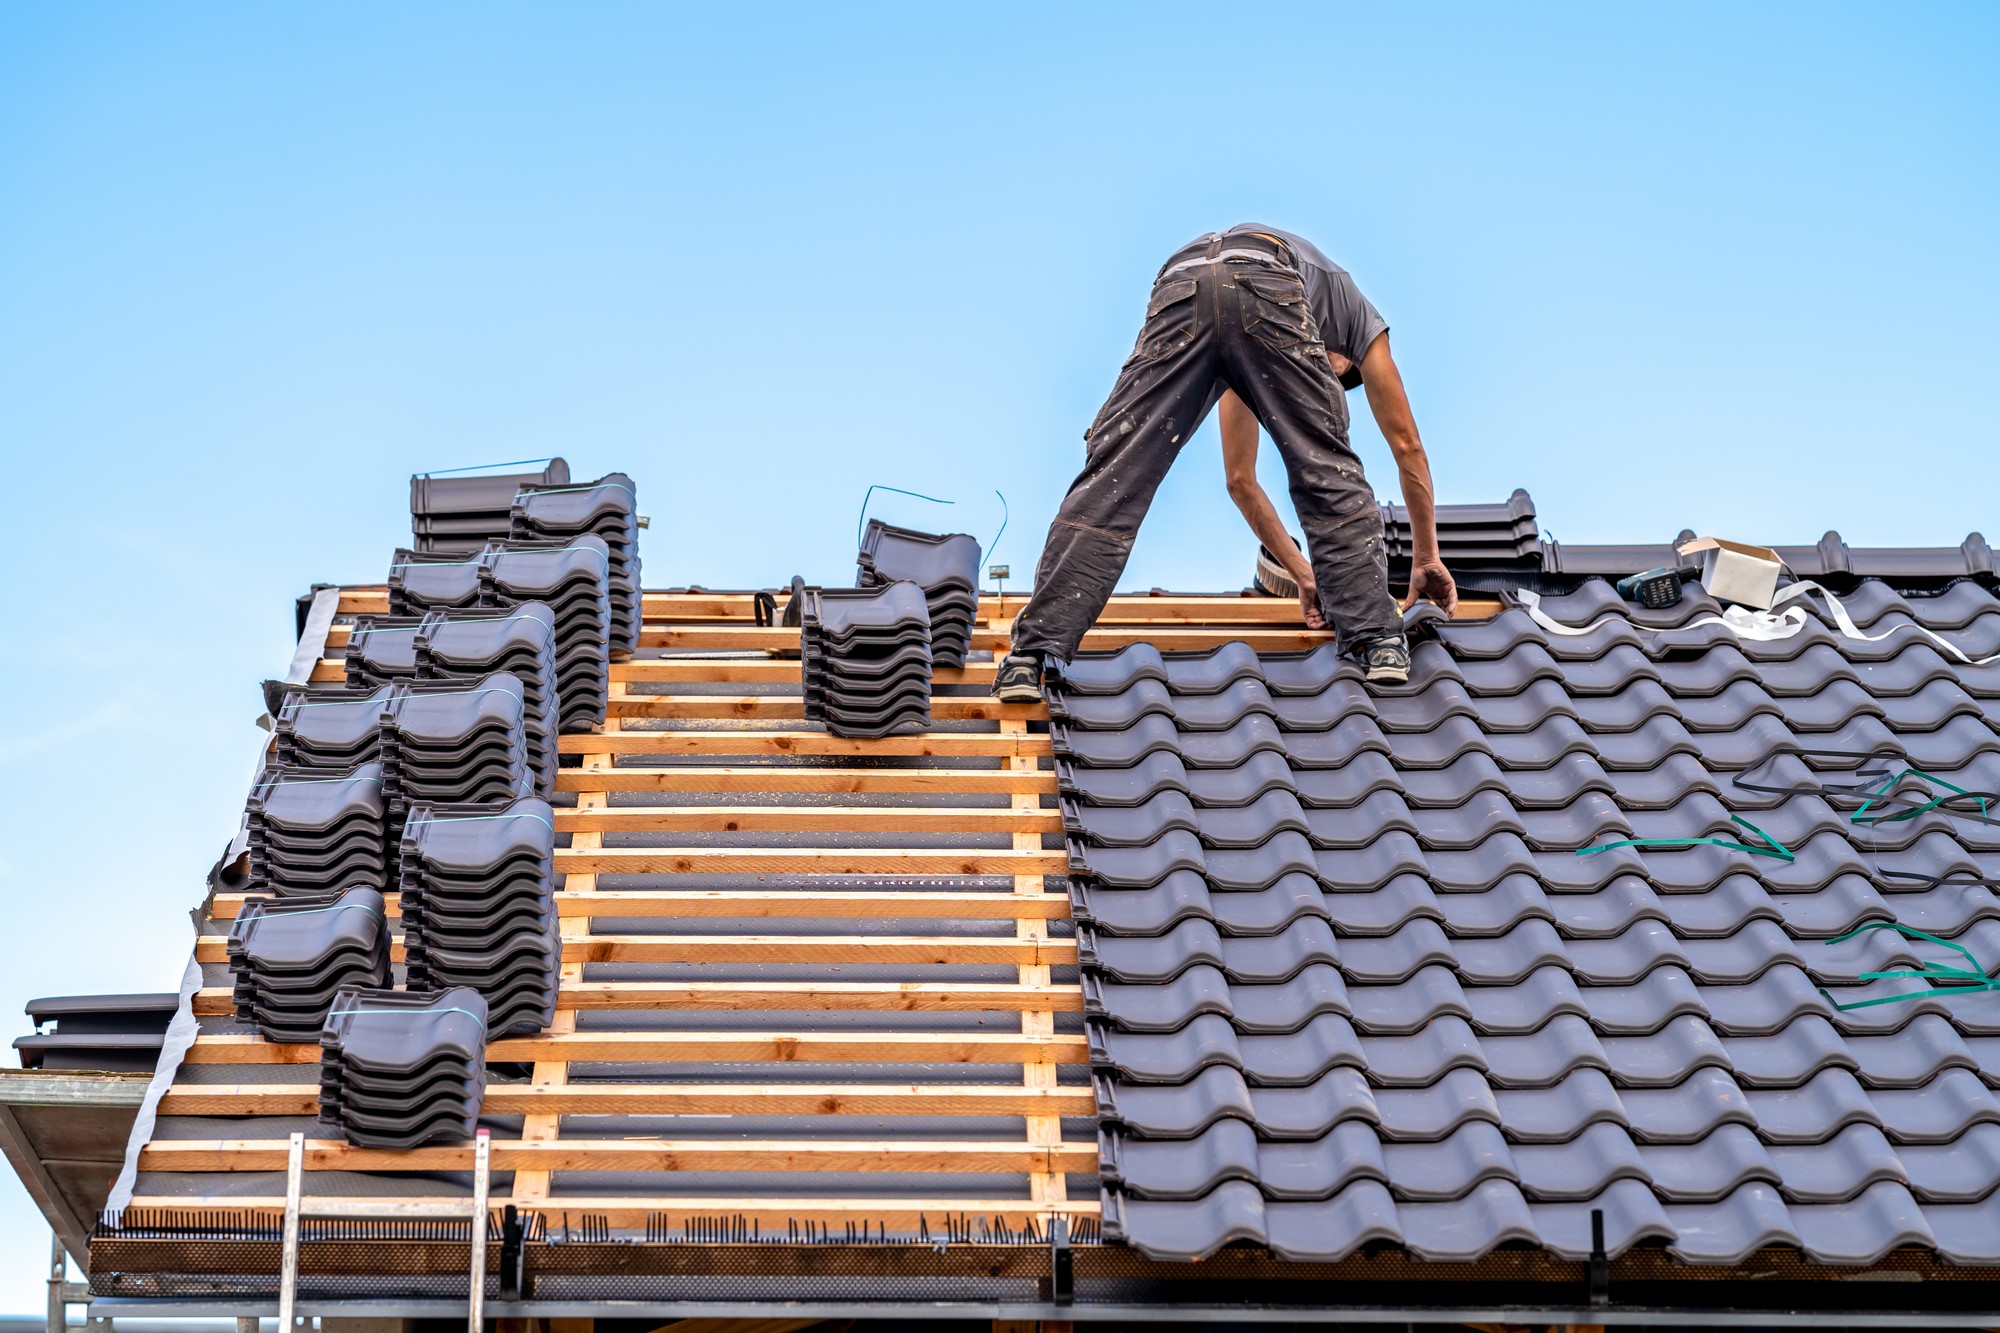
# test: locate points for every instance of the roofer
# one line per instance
(1260, 320)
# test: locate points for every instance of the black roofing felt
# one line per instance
(1348, 979)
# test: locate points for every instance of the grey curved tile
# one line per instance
(1850, 1162)
(1742, 957)
(1269, 959)
(1644, 1006)
(1460, 1231)
(1736, 705)
(1525, 1006)
(1286, 853)
(1705, 673)
(1160, 770)
(1229, 748)
(1263, 771)
(1709, 1169)
(1360, 825)
(1496, 910)
(1115, 749)
(1328, 1231)
(1608, 672)
(1312, 1169)
(1939, 1112)
(1294, 1059)
(1752, 743)
(1625, 711)
(1631, 1215)
(1695, 815)
(1336, 747)
(1129, 826)
(1466, 826)
(1766, 1004)
(1503, 960)
(1112, 673)
(1593, 816)
(1963, 1233)
(1345, 698)
(1543, 1059)
(1788, 1058)
(1417, 709)
(1385, 959)
(1545, 745)
(1165, 1057)
(1455, 783)
(1149, 911)
(1370, 867)
(1580, 1169)
(1140, 867)
(1158, 1007)
(1111, 712)
(1842, 904)
(1405, 1008)
(1311, 672)
(1965, 1170)
(1523, 712)
(1730, 1231)
(1219, 712)
(1814, 1111)
(1290, 1005)
(1611, 911)
(1689, 1112)
(1926, 1047)
(1559, 1113)
(1311, 1111)
(1422, 1058)
(1559, 784)
(1270, 910)
(1178, 1168)
(1177, 1111)
(1646, 747)
(1185, 1231)
(1734, 902)
(1250, 825)
(1665, 784)
(1349, 787)
(1568, 872)
(1510, 673)
(1133, 959)
(1382, 911)
(1427, 1114)
(1480, 868)
(1627, 956)
(1452, 1167)
(1437, 746)
(1665, 1059)
(1214, 670)
(1882, 1218)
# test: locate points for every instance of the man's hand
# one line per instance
(1309, 603)
(1431, 579)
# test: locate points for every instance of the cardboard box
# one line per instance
(1734, 572)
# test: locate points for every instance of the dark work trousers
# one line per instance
(1238, 323)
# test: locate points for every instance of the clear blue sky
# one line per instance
(1722, 267)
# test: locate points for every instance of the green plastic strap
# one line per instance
(1959, 980)
(1776, 849)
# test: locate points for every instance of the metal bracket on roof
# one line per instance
(1600, 1263)
(1062, 1263)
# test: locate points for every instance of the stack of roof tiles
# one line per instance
(1348, 979)
(604, 508)
(465, 645)
(315, 829)
(478, 911)
(866, 659)
(434, 741)
(572, 578)
(945, 567)
(403, 1068)
(458, 515)
(289, 956)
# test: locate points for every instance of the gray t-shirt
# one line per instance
(1347, 322)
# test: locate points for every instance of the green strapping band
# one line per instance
(1776, 849)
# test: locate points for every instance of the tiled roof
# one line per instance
(1348, 980)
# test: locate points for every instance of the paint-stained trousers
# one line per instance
(1222, 323)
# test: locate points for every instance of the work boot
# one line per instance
(1018, 679)
(1386, 661)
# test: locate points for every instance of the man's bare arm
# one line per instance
(1239, 464)
(1391, 406)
